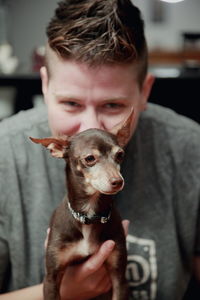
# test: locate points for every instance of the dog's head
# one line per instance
(93, 155)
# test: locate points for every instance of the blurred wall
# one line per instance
(27, 25)
(177, 18)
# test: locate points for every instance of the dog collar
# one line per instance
(84, 219)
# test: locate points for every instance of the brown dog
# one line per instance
(86, 217)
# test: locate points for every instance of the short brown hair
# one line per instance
(99, 32)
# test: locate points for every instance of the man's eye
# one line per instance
(113, 105)
(72, 103)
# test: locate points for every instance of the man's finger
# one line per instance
(97, 260)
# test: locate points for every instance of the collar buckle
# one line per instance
(84, 219)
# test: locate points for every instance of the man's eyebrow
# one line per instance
(61, 95)
(115, 99)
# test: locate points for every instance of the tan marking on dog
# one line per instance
(115, 149)
(90, 190)
(96, 152)
(101, 175)
(78, 168)
(87, 179)
(82, 248)
(98, 177)
(90, 207)
(54, 151)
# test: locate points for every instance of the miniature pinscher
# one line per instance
(87, 217)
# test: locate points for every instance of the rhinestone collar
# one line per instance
(84, 219)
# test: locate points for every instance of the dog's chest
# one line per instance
(87, 245)
(76, 251)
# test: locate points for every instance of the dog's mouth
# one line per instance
(112, 190)
(109, 193)
(110, 186)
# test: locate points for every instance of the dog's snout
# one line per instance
(116, 182)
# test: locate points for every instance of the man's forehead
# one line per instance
(52, 57)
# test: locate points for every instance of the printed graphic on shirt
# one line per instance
(142, 268)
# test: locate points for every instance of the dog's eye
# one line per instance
(90, 160)
(119, 156)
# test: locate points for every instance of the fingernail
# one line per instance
(110, 245)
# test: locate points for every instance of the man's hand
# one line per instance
(89, 279)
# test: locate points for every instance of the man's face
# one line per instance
(80, 97)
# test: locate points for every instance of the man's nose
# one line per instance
(90, 119)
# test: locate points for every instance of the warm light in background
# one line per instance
(172, 1)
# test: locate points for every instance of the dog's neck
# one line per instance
(87, 219)
(96, 207)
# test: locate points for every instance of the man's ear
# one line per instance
(45, 80)
(123, 130)
(57, 147)
(146, 89)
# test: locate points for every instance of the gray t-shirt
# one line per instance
(161, 198)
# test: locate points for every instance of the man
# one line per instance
(95, 73)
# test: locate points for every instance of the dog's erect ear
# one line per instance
(123, 130)
(58, 147)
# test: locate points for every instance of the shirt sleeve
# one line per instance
(197, 176)
(197, 243)
(4, 256)
(4, 250)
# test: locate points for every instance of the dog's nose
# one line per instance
(116, 182)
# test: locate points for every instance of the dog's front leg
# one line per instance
(52, 285)
(50, 289)
(116, 265)
(120, 287)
